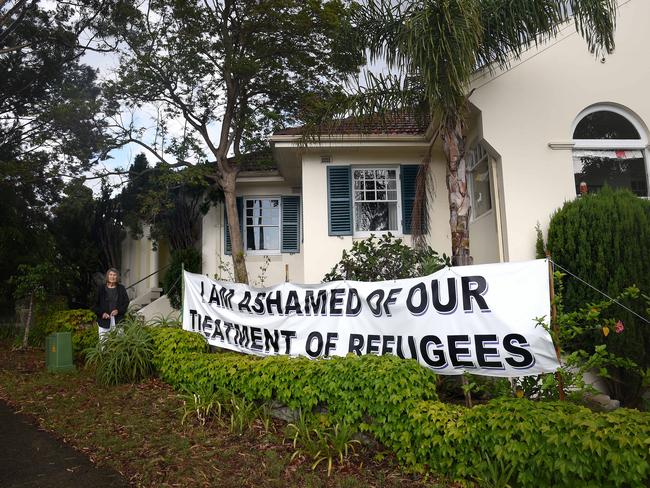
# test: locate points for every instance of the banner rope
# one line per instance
(601, 292)
(173, 286)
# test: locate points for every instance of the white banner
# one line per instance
(479, 319)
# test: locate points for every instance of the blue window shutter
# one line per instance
(291, 224)
(408, 177)
(339, 200)
(226, 232)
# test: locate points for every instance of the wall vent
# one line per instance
(326, 159)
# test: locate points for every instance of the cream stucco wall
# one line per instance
(139, 259)
(217, 263)
(536, 102)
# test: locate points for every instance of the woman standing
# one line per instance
(111, 302)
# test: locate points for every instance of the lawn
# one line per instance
(137, 430)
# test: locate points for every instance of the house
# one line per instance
(554, 121)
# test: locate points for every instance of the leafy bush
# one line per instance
(550, 443)
(124, 356)
(605, 239)
(82, 323)
(70, 321)
(385, 258)
(191, 259)
(84, 339)
(170, 342)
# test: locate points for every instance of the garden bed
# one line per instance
(137, 430)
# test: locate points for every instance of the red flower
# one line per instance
(619, 327)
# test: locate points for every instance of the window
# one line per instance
(269, 225)
(478, 165)
(375, 198)
(262, 226)
(609, 150)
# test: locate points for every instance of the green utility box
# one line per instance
(58, 352)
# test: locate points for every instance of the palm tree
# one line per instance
(437, 45)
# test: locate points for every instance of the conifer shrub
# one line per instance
(604, 238)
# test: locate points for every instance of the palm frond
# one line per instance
(509, 28)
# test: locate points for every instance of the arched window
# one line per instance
(609, 149)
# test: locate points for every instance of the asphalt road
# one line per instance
(30, 457)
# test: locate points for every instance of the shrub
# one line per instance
(605, 239)
(191, 259)
(124, 356)
(70, 321)
(385, 258)
(80, 322)
(548, 443)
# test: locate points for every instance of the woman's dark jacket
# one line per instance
(101, 305)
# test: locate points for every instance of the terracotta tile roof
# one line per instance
(405, 124)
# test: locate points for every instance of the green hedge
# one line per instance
(545, 443)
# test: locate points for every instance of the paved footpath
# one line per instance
(31, 458)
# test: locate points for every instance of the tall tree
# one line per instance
(232, 70)
(170, 201)
(77, 252)
(107, 228)
(437, 46)
(49, 125)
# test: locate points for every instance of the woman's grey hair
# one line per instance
(114, 270)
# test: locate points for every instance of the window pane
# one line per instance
(392, 184)
(481, 198)
(358, 184)
(369, 174)
(381, 195)
(250, 239)
(391, 174)
(358, 195)
(370, 195)
(375, 216)
(358, 174)
(370, 185)
(392, 195)
(380, 174)
(605, 125)
(263, 239)
(597, 170)
(262, 224)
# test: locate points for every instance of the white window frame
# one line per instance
(398, 185)
(613, 144)
(472, 162)
(263, 252)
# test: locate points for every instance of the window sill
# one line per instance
(482, 216)
(377, 233)
(270, 252)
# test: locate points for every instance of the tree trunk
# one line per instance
(29, 319)
(236, 242)
(459, 201)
